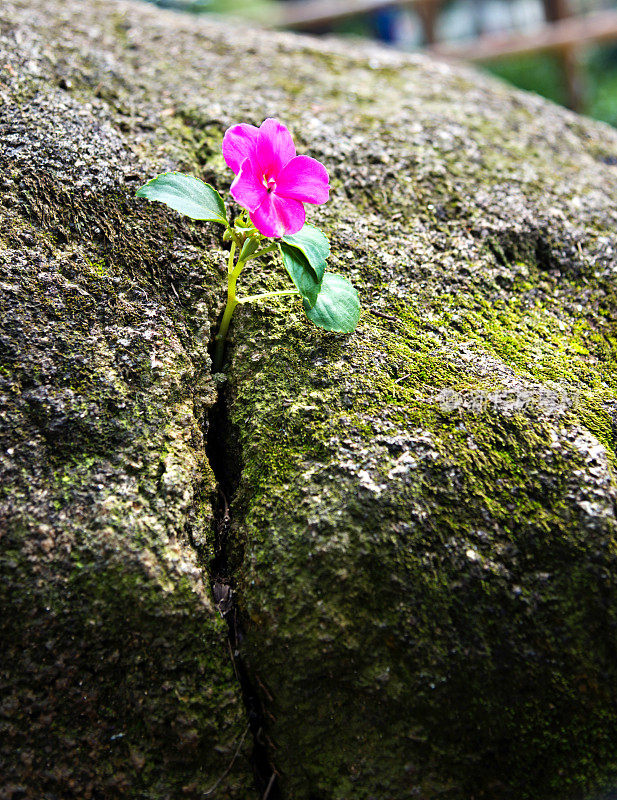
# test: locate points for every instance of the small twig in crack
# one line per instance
(231, 763)
(383, 316)
(263, 688)
(269, 786)
(226, 515)
(233, 660)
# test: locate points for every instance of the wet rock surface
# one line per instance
(422, 539)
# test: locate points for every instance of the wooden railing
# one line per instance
(563, 34)
(315, 14)
(553, 37)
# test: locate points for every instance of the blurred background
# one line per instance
(565, 50)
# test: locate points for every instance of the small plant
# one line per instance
(272, 183)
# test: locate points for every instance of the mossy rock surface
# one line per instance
(423, 536)
(115, 676)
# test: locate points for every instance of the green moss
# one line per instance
(423, 542)
(406, 528)
(202, 141)
(115, 611)
(116, 667)
(494, 487)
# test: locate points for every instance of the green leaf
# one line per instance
(316, 248)
(301, 273)
(249, 247)
(337, 307)
(188, 195)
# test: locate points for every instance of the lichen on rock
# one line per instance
(425, 510)
(115, 679)
(423, 537)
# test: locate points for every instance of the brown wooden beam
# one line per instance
(555, 37)
(301, 14)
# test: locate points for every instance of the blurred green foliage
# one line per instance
(255, 9)
(541, 74)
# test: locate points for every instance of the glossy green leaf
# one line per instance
(301, 273)
(314, 245)
(337, 307)
(188, 195)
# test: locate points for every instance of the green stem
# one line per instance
(251, 298)
(230, 260)
(232, 302)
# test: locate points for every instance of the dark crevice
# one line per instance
(225, 461)
(537, 246)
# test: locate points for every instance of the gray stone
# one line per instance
(423, 513)
(115, 676)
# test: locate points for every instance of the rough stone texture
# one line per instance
(425, 516)
(115, 678)
(424, 522)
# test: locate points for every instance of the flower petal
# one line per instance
(305, 179)
(239, 143)
(278, 216)
(248, 188)
(275, 147)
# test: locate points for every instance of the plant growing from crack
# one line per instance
(272, 184)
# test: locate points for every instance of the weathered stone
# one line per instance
(424, 522)
(425, 515)
(115, 677)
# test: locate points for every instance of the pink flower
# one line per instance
(271, 181)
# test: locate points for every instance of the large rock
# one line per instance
(423, 515)
(115, 676)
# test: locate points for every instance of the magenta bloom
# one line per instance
(272, 182)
